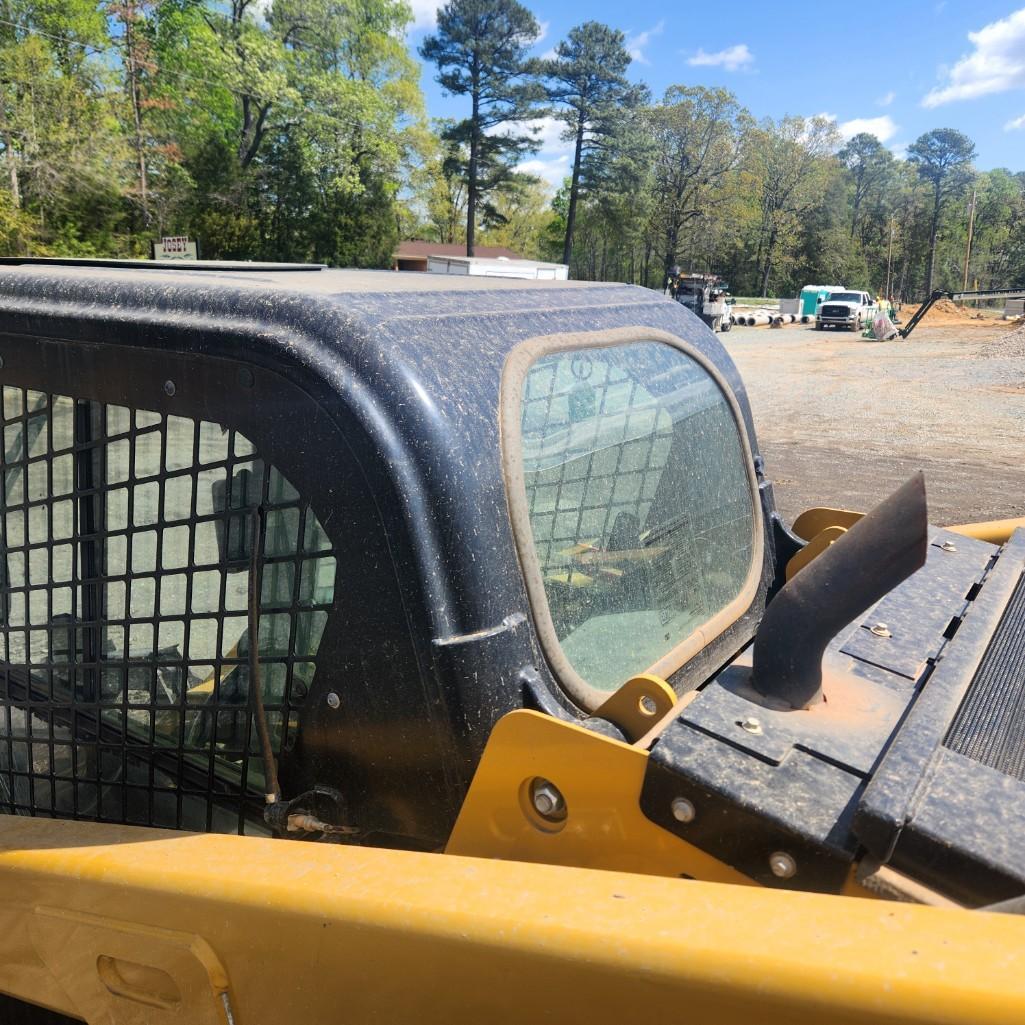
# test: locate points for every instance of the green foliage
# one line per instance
(870, 166)
(525, 220)
(775, 205)
(295, 130)
(442, 191)
(943, 158)
(279, 131)
(698, 136)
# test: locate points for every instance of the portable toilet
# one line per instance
(812, 295)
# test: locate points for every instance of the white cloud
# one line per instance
(544, 26)
(636, 42)
(548, 131)
(549, 55)
(733, 58)
(887, 99)
(551, 162)
(996, 65)
(425, 13)
(552, 171)
(1015, 124)
(883, 128)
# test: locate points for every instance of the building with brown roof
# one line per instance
(413, 254)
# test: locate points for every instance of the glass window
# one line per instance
(640, 505)
(125, 593)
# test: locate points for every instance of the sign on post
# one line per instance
(174, 247)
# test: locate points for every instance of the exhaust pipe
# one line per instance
(876, 554)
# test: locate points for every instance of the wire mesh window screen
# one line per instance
(640, 502)
(127, 540)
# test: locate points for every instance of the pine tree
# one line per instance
(587, 83)
(943, 157)
(480, 48)
(870, 165)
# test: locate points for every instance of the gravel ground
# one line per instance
(842, 421)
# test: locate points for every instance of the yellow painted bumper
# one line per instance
(279, 932)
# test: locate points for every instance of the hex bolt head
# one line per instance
(333, 700)
(782, 865)
(547, 800)
(880, 630)
(948, 546)
(169, 388)
(683, 810)
(752, 725)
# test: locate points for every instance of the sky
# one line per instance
(895, 68)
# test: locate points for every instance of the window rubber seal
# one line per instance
(517, 365)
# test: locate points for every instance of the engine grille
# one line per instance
(840, 312)
(990, 724)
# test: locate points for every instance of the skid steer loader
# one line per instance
(386, 648)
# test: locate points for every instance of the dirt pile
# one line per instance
(944, 311)
(1007, 346)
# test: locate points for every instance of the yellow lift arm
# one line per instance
(128, 925)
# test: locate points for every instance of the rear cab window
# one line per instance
(633, 501)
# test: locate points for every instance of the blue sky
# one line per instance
(896, 68)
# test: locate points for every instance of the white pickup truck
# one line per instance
(847, 310)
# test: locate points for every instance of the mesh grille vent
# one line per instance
(990, 724)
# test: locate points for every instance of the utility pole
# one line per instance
(889, 261)
(971, 229)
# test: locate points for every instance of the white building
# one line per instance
(501, 267)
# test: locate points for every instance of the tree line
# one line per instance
(296, 130)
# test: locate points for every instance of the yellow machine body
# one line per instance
(172, 927)
(339, 430)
